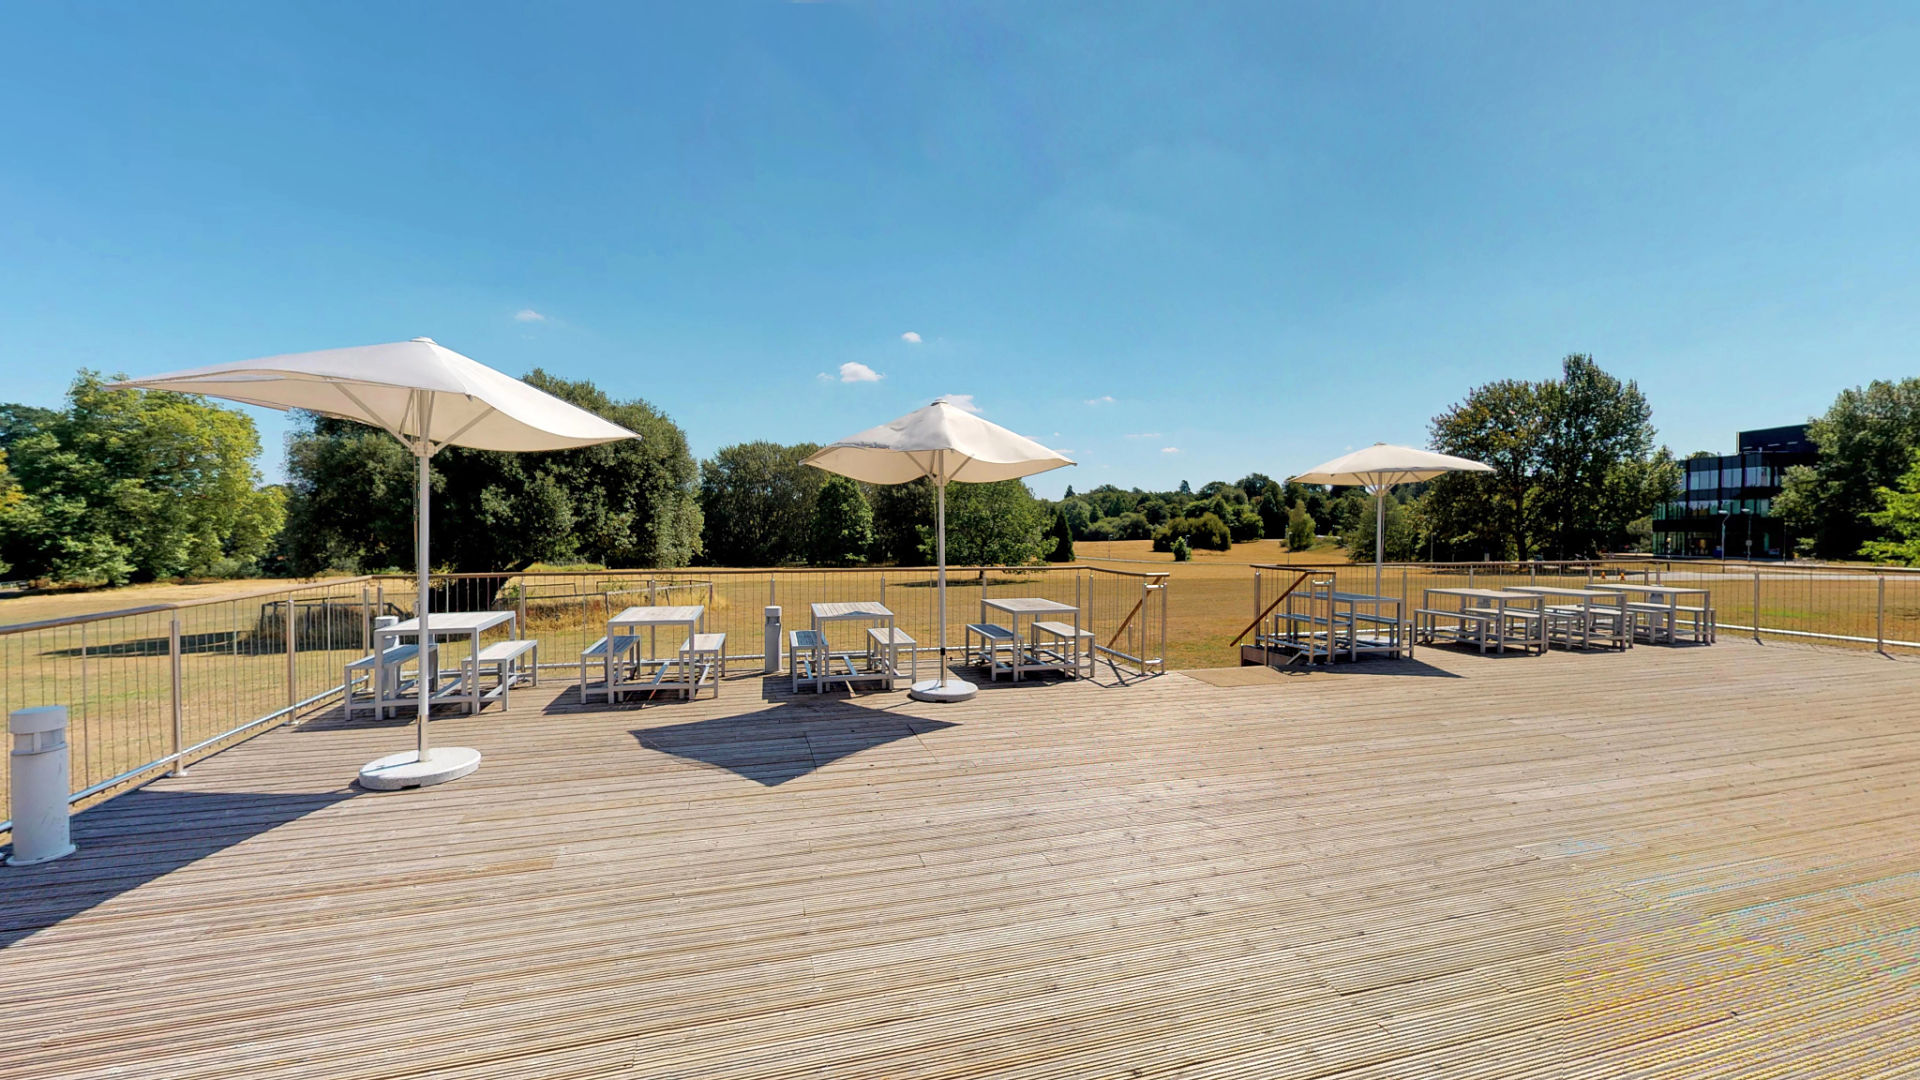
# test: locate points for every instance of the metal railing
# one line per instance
(1848, 606)
(154, 688)
(568, 610)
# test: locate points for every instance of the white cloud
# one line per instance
(1169, 449)
(852, 372)
(527, 314)
(1145, 435)
(963, 402)
(1103, 399)
(824, 377)
(910, 338)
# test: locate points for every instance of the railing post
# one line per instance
(773, 588)
(292, 682)
(1469, 577)
(1756, 605)
(1880, 615)
(1164, 585)
(179, 703)
(366, 618)
(1257, 609)
(883, 588)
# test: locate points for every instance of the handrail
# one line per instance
(177, 605)
(762, 571)
(1304, 575)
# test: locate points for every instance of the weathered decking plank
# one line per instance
(1668, 861)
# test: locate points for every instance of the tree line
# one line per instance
(121, 486)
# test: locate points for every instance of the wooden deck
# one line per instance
(1667, 862)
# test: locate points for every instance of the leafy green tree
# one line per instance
(1866, 439)
(1244, 524)
(758, 502)
(1203, 531)
(1899, 517)
(622, 504)
(1597, 443)
(842, 531)
(902, 514)
(1078, 514)
(1299, 528)
(1182, 550)
(1404, 537)
(998, 524)
(126, 484)
(1501, 424)
(1062, 536)
(1271, 503)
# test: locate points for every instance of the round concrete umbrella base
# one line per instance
(947, 689)
(406, 770)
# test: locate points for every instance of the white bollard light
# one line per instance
(773, 640)
(41, 830)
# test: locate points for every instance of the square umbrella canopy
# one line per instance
(1378, 468)
(428, 397)
(947, 444)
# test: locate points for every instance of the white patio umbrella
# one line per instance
(1378, 468)
(428, 397)
(950, 445)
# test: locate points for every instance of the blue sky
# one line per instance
(1179, 241)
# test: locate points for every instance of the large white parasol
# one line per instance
(428, 397)
(1378, 468)
(950, 445)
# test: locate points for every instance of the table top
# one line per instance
(1028, 605)
(1486, 594)
(1660, 589)
(1363, 598)
(659, 615)
(1551, 590)
(451, 622)
(851, 609)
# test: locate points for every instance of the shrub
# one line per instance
(1182, 551)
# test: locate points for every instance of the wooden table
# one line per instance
(1499, 599)
(1592, 603)
(441, 625)
(868, 612)
(1669, 597)
(1031, 607)
(1395, 643)
(690, 619)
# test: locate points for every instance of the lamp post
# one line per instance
(1723, 534)
(1748, 514)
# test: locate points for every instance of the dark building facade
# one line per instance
(1732, 496)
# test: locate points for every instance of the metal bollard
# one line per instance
(772, 653)
(40, 825)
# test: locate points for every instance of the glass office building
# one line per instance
(1732, 496)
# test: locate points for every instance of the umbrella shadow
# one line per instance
(789, 740)
(136, 838)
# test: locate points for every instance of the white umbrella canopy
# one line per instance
(942, 441)
(466, 402)
(429, 397)
(1378, 468)
(948, 445)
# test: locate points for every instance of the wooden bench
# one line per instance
(806, 653)
(1075, 637)
(877, 640)
(504, 658)
(993, 637)
(704, 655)
(1429, 618)
(1533, 623)
(383, 667)
(1658, 616)
(607, 651)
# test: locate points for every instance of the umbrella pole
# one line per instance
(421, 569)
(1379, 536)
(944, 686)
(940, 555)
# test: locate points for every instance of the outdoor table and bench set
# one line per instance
(510, 662)
(1316, 622)
(1051, 643)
